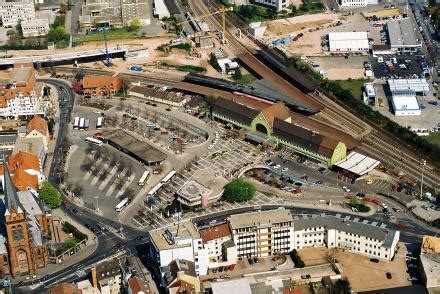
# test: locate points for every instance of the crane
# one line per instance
(222, 10)
(107, 56)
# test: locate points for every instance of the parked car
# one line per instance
(375, 260)
(306, 276)
(389, 275)
(346, 189)
(277, 166)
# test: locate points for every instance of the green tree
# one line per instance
(135, 24)
(57, 34)
(51, 125)
(18, 28)
(237, 74)
(239, 190)
(213, 61)
(50, 195)
(343, 286)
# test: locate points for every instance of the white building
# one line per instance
(182, 241)
(369, 93)
(405, 103)
(262, 233)
(35, 28)
(419, 86)
(348, 42)
(12, 12)
(218, 242)
(227, 66)
(356, 3)
(256, 29)
(278, 4)
(160, 9)
(372, 240)
(20, 96)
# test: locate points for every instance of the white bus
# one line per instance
(144, 178)
(121, 205)
(155, 189)
(86, 124)
(99, 123)
(94, 141)
(168, 177)
(82, 120)
(76, 123)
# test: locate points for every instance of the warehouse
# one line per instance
(419, 86)
(405, 103)
(348, 41)
(402, 35)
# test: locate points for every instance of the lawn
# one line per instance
(354, 86)
(434, 138)
(111, 34)
(245, 79)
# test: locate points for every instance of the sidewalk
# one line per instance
(52, 143)
(92, 245)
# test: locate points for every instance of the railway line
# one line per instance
(375, 143)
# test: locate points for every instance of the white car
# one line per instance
(210, 147)
(97, 111)
(277, 166)
(380, 59)
(346, 189)
(413, 279)
(285, 169)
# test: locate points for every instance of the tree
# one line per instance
(18, 28)
(51, 125)
(343, 286)
(214, 61)
(239, 190)
(50, 195)
(78, 190)
(57, 34)
(135, 24)
(237, 74)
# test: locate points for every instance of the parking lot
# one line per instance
(399, 66)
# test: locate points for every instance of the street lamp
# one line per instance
(97, 206)
(423, 162)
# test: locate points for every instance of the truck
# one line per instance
(136, 68)
(86, 124)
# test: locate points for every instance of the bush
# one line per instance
(239, 190)
(299, 263)
(50, 195)
(183, 46)
(70, 229)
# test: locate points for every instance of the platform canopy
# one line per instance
(357, 163)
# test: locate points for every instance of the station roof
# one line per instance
(357, 163)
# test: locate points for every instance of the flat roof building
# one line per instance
(357, 163)
(35, 28)
(402, 35)
(405, 103)
(348, 41)
(419, 86)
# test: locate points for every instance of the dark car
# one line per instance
(88, 226)
(375, 260)
(19, 284)
(140, 238)
(306, 276)
(389, 276)
(251, 262)
(321, 170)
(45, 277)
(256, 260)
(75, 211)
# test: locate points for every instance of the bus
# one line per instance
(76, 123)
(81, 123)
(94, 141)
(168, 177)
(155, 189)
(99, 123)
(86, 124)
(144, 178)
(121, 205)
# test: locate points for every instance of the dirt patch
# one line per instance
(363, 274)
(383, 13)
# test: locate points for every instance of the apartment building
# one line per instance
(217, 240)
(20, 93)
(112, 13)
(262, 233)
(182, 241)
(13, 12)
(358, 237)
(35, 28)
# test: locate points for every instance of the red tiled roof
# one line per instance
(25, 160)
(22, 180)
(215, 232)
(39, 124)
(136, 285)
(277, 110)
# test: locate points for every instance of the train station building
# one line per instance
(278, 125)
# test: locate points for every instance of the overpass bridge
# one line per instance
(66, 58)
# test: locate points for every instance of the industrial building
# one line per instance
(356, 3)
(419, 86)
(402, 35)
(302, 135)
(348, 42)
(405, 103)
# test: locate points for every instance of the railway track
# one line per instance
(375, 144)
